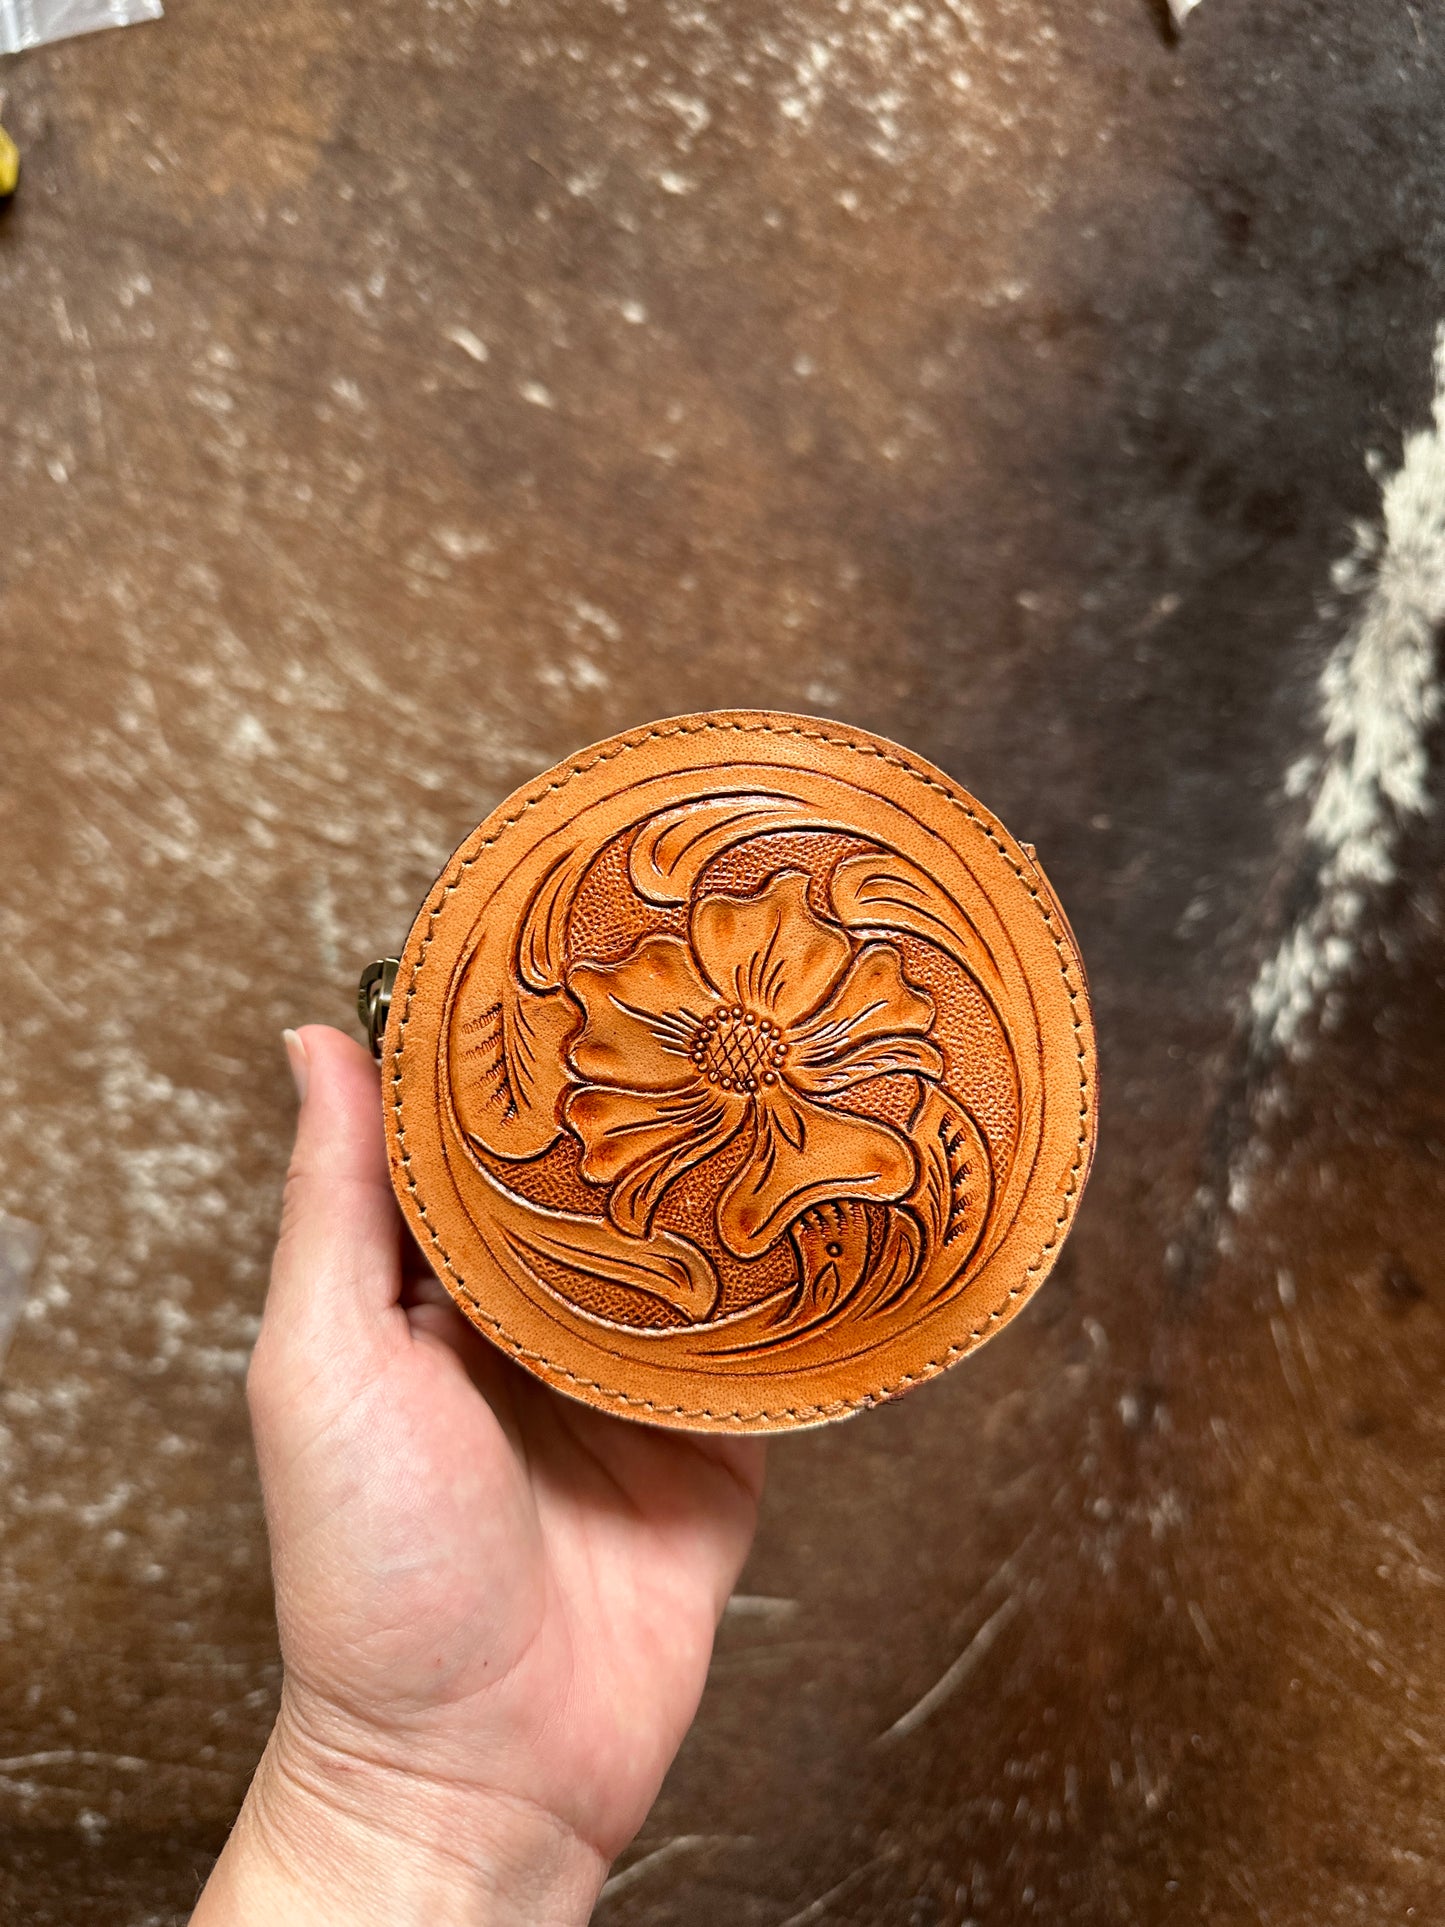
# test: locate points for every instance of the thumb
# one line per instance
(336, 1276)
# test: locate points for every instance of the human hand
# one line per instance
(496, 1605)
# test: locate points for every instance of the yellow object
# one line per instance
(9, 166)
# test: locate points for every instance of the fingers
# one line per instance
(743, 1463)
(337, 1270)
(700, 1491)
(744, 1458)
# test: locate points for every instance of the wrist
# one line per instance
(326, 1835)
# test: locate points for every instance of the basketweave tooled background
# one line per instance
(395, 400)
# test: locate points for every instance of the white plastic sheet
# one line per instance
(31, 23)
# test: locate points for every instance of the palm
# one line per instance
(521, 1592)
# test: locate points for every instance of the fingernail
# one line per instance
(297, 1059)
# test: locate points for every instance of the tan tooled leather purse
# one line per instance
(739, 1073)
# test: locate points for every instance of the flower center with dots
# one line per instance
(737, 1050)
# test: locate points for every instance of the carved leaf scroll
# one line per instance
(832, 1243)
(675, 846)
(509, 1063)
(541, 941)
(888, 892)
(955, 1186)
(662, 1265)
(875, 1279)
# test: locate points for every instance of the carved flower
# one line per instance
(752, 1026)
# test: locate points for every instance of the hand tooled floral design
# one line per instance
(752, 1026)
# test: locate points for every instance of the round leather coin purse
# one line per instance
(738, 1073)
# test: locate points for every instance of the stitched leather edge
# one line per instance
(1052, 915)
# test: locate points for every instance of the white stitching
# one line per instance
(799, 1413)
